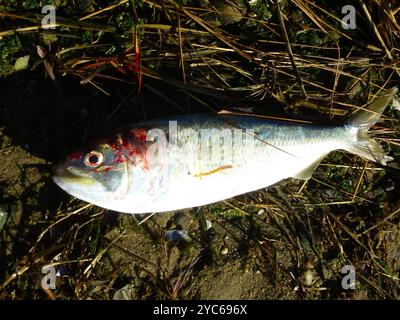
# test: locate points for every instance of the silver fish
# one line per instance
(194, 160)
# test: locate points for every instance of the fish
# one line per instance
(188, 161)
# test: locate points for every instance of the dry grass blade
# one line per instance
(376, 31)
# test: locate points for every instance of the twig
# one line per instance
(289, 48)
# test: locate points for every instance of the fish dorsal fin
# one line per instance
(223, 111)
(306, 173)
(227, 112)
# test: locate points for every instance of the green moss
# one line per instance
(125, 20)
(233, 213)
(96, 237)
(262, 9)
(8, 48)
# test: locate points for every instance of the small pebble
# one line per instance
(308, 278)
(224, 251)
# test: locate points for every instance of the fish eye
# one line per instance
(93, 159)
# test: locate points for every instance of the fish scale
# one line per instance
(277, 154)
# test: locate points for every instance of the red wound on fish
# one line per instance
(103, 169)
(136, 150)
(139, 133)
(126, 146)
(129, 150)
(137, 154)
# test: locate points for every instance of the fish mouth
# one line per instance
(79, 184)
(65, 175)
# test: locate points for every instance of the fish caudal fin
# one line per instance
(363, 120)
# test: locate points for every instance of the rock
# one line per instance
(177, 235)
(128, 292)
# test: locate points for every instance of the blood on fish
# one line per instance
(120, 159)
(139, 156)
(128, 146)
(126, 150)
(103, 169)
(139, 133)
(134, 152)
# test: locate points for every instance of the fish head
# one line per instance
(102, 173)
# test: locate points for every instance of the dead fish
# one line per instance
(193, 160)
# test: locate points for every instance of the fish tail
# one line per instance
(361, 121)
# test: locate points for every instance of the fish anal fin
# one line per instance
(306, 173)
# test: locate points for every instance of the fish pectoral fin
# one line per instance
(306, 173)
